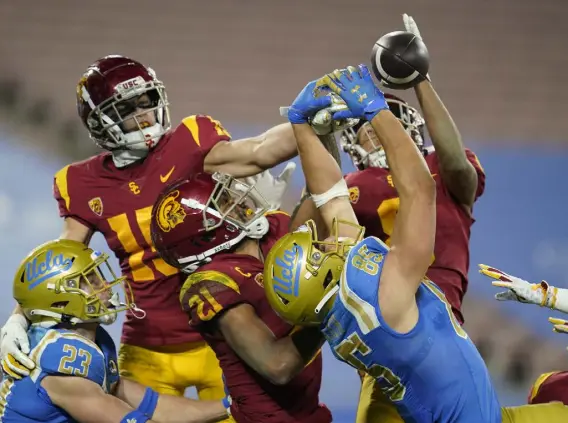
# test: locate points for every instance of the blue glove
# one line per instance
(306, 105)
(356, 87)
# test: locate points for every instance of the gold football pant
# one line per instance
(554, 412)
(374, 407)
(172, 369)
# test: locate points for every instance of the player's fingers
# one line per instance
(501, 284)
(286, 174)
(14, 367)
(21, 359)
(343, 114)
(327, 81)
(364, 71)
(560, 329)
(24, 343)
(560, 325)
(9, 371)
(493, 272)
(323, 102)
(505, 296)
(556, 321)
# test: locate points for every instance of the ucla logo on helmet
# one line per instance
(287, 271)
(42, 268)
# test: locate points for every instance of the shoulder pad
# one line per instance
(206, 293)
(205, 129)
(63, 353)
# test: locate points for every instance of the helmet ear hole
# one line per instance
(284, 300)
(60, 304)
(328, 279)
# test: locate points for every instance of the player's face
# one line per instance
(135, 113)
(368, 138)
(93, 283)
(242, 212)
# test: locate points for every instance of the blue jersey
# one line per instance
(57, 352)
(433, 373)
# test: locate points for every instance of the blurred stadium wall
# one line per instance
(499, 67)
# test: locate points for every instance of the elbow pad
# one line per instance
(338, 190)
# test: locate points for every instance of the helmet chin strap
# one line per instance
(106, 319)
(134, 146)
(57, 318)
(326, 298)
(257, 228)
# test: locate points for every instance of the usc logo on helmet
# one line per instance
(170, 212)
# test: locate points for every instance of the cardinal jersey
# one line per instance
(233, 279)
(375, 201)
(57, 352)
(550, 387)
(433, 373)
(118, 203)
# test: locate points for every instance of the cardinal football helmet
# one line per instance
(374, 155)
(66, 281)
(203, 215)
(106, 97)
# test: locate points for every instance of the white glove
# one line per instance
(272, 189)
(410, 26)
(560, 325)
(14, 347)
(541, 294)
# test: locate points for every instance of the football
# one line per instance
(400, 60)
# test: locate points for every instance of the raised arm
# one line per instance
(250, 156)
(412, 240)
(456, 171)
(324, 180)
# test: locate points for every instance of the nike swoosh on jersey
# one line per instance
(164, 178)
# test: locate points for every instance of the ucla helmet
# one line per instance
(302, 273)
(65, 281)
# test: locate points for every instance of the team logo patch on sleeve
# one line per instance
(96, 205)
(354, 194)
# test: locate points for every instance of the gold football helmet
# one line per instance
(302, 273)
(65, 281)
